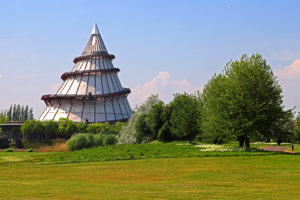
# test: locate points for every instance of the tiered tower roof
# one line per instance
(92, 91)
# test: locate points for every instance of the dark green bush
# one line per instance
(19, 144)
(78, 141)
(98, 140)
(164, 133)
(90, 142)
(4, 143)
(110, 140)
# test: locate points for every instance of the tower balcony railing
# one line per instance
(96, 55)
(66, 75)
(49, 97)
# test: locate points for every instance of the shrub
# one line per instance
(84, 140)
(110, 140)
(67, 128)
(4, 143)
(98, 140)
(8, 150)
(77, 142)
(89, 140)
(35, 143)
(19, 144)
(29, 150)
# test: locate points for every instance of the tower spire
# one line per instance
(95, 30)
(95, 44)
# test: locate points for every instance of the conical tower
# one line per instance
(92, 91)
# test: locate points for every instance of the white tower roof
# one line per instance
(92, 91)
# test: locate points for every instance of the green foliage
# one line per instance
(98, 140)
(110, 140)
(3, 118)
(35, 143)
(4, 143)
(29, 150)
(8, 150)
(78, 141)
(179, 120)
(283, 128)
(105, 128)
(67, 128)
(164, 133)
(297, 128)
(185, 117)
(50, 129)
(33, 129)
(156, 118)
(143, 131)
(128, 133)
(88, 140)
(245, 101)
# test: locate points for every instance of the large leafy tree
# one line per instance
(246, 100)
(185, 117)
(215, 122)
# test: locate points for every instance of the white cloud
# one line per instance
(162, 85)
(289, 78)
(1, 75)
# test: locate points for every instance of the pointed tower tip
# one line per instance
(95, 29)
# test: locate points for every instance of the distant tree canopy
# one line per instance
(178, 120)
(17, 112)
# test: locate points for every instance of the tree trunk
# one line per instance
(247, 142)
(279, 141)
(241, 140)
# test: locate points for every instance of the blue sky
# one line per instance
(160, 46)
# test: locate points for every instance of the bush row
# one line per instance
(84, 140)
(65, 128)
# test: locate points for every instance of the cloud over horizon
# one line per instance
(289, 79)
(163, 85)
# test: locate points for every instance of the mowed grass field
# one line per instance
(213, 176)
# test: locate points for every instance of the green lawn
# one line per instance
(156, 171)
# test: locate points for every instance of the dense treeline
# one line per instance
(243, 103)
(16, 112)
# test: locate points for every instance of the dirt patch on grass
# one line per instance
(281, 149)
(58, 147)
